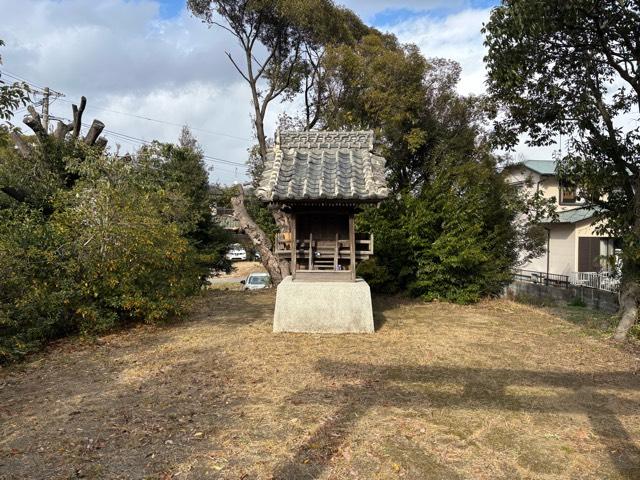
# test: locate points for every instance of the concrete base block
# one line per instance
(323, 307)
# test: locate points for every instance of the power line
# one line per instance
(30, 83)
(141, 117)
(140, 141)
(20, 79)
(165, 122)
(129, 138)
(146, 142)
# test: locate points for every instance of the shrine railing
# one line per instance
(324, 247)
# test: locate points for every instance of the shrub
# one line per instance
(375, 275)
(99, 241)
(454, 240)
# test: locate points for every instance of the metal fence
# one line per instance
(541, 278)
(600, 281)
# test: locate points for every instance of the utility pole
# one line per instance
(45, 108)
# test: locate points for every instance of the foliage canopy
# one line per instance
(90, 240)
(571, 68)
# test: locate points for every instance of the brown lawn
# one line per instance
(492, 391)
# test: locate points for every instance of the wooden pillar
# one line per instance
(336, 252)
(294, 247)
(352, 246)
(311, 251)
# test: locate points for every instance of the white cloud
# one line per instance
(456, 37)
(123, 57)
(112, 45)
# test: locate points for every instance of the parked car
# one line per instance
(236, 252)
(257, 281)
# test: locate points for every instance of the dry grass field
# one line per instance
(493, 391)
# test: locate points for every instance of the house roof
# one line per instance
(323, 166)
(574, 215)
(542, 167)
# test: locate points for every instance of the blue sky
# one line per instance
(170, 8)
(152, 59)
(394, 15)
(387, 16)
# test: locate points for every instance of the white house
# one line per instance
(573, 245)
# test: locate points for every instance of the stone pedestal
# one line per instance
(323, 307)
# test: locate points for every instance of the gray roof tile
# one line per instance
(323, 165)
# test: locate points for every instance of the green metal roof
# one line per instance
(574, 215)
(543, 167)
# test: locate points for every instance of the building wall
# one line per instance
(532, 181)
(564, 243)
(563, 257)
(521, 175)
(562, 252)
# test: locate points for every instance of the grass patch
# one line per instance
(533, 300)
(577, 302)
(439, 391)
(593, 322)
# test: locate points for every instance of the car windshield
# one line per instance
(262, 280)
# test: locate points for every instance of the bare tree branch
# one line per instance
(77, 117)
(277, 269)
(94, 132)
(34, 122)
(61, 130)
(237, 67)
(217, 24)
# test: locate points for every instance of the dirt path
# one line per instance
(231, 281)
(492, 391)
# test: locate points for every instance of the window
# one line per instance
(259, 280)
(589, 254)
(568, 195)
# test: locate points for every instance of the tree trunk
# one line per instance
(630, 287)
(262, 139)
(276, 268)
(283, 221)
(628, 308)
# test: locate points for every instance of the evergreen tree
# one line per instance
(449, 229)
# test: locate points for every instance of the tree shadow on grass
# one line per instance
(135, 411)
(382, 304)
(369, 386)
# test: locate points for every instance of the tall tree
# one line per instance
(412, 103)
(572, 68)
(282, 43)
(448, 230)
(181, 170)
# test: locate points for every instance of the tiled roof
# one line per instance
(323, 166)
